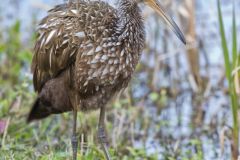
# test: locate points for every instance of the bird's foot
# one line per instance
(74, 146)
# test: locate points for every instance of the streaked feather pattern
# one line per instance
(94, 46)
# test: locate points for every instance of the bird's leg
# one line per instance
(74, 136)
(101, 133)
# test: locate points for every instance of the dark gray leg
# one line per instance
(101, 133)
(74, 136)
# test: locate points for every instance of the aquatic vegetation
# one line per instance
(231, 60)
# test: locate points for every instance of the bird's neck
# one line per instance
(130, 26)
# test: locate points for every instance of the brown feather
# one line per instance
(92, 48)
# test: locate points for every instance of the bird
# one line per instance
(85, 53)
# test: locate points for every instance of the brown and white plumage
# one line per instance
(85, 53)
(93, 44)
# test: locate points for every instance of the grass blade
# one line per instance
(224, 43)
(234, 36)
(228, 70)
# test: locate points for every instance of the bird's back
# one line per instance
(80, 55)
(69, 30)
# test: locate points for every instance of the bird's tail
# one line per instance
(38, 111)
(53, 99)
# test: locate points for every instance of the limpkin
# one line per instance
(85, 53)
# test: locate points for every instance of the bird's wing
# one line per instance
(60, 36)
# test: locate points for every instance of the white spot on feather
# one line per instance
(105, 71)
(80, 34)
(94, 61)
(116, 61)
(105, 45)
(110, 61)
(127, 61)
(90, 72)
(112, 69)
(72, 54)
(90, 52)
(65, 41)
(97, 56)
(89, 45)
(43, 26)
(98, 49)
(74, 11)
(95, 74)
(113, 49)
(109, 44)
(97, 88)
(62, 13)
(104, 57)
(122, 53)
(86, 83)
(50, 36)
(42, 43)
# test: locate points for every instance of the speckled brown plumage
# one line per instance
(92, 47)
(85, 53)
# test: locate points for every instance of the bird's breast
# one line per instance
(108, 63)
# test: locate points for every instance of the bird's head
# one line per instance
(155, 5)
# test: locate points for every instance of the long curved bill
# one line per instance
(173, 26)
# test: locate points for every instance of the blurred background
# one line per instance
(176, 107)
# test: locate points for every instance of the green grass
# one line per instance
(230, 66)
